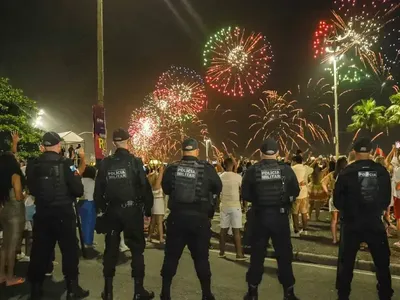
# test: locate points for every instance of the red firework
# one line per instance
(323, 32)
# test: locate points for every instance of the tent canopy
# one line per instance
(70, 137)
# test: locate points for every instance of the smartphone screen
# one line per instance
(398, 144)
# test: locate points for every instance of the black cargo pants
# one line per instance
(270, 223)
(192, 231)
(350, 240)
(128, 220)
(49, 228)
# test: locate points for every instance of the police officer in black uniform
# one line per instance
(190, 184)
(271, 187)
(123, 193)
(362, 193)
(55, 183)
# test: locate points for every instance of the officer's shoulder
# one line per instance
(205, 163)
(66, 161)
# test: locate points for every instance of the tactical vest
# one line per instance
(270, 185)
(120, 186)
(188, 182)
(51, 185)
(369, 187)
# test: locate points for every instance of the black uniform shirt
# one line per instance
(212, 186)
(249, 189)
(347, 194)
(73, 179)
(101, 182)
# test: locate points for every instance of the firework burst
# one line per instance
(324, 31)
(365, 26)
(237, 63)
(180, 91)
(280, 119)
(144, 129)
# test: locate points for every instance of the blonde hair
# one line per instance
(152, 179)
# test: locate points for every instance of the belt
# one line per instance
(131, 203)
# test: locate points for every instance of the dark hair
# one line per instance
(228, 163)
(248, 165)
(240, 170)
(298, 159)
(332, 166)
(90, 172)
(8, 166)
(340, 165)
(316, 175)
(298, 152)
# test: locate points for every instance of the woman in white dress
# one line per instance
(158, 210)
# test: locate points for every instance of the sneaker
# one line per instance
(25, 259)
(20, 256)
(296, 234)
(304, 232)
(145, 295)
(221, 255)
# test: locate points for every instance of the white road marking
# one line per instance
(312, 265)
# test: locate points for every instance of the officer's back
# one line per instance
(190, 184)
(55, 183)
(362, 192)
(270, 187)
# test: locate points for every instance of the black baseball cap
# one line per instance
(269, 147)
(362, 145)
(120, 135)
(51, 139)
(190, 145)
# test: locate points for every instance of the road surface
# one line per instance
(228, 281)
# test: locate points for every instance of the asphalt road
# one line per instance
(313, 281)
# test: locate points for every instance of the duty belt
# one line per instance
(131, 203)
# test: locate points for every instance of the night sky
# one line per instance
(48, 49)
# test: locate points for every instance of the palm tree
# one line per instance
(368, 116)
(392, 114)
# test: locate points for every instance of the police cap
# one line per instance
(269, 147)
(362, 145)
(120, 135)
(51, 139)
(190, 145)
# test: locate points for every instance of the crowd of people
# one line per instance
(316, 177)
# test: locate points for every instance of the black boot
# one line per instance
(252, 293)
(36, 291)
(165, 297)
(74, 291)
(209, 297)
(289, 294)
(140, 292)
(108, 289)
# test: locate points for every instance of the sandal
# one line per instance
(241, 258)
(15, 281)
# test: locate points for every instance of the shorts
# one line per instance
(300, 206)
(396, 208)
(231, 217)
(332, 207)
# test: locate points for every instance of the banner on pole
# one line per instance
(99, 132)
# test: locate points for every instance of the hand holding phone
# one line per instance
(397, 145)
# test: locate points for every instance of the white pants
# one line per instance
(231, 217)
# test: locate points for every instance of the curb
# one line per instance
(318, 259)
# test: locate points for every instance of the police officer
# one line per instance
(362, 192)
(123, 193)
(270, 187)
(55, 183)
(190, 184)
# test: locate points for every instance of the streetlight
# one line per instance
(334, 59)
(38, 122)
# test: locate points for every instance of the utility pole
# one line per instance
(100, 54)
(336, 106)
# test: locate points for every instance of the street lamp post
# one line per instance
(334, 58)
(208, 143)
(100, 54)
(336, 107)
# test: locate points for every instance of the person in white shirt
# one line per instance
(231, 210)
(88, 209)
(301, 204)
